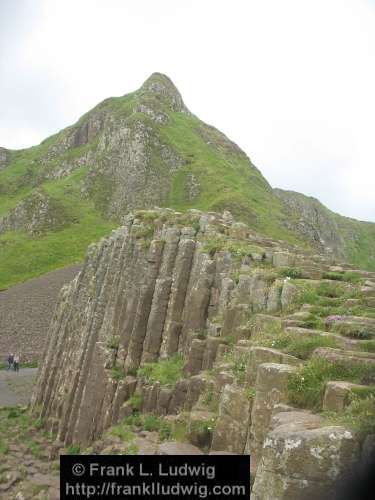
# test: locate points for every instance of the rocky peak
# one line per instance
(162, 87)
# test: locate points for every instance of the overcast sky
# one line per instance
(292, 82)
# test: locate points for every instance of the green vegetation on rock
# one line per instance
(306, 387)
(137, 151)
(167, 371)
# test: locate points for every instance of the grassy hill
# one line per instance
(141, 150)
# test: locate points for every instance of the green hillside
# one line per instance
(141, 150)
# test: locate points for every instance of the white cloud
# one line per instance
(292, 82)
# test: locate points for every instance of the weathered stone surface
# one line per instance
(271, 389)
(196, 386)
(356, 326)
(348, 358)
(233, 421)
(289, 294)
(294, 419)
(337, 395)
(259, 355)
(212, 344)
(265, 322)
(195, 357)
(341, 341)
(175, 448)
(304, 464)
(274, 297)
(283, 259)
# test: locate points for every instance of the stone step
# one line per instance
(347, 358)
(356, 326)
(337, 394)
(343, 342)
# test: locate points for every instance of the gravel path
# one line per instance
(26, 311)
(16, 388)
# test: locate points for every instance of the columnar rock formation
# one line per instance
(205, 289)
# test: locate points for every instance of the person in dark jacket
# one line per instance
(10, 361)
(16, 363)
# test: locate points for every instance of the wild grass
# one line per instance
(306, 388)
(359, 414)
(226, 177)
(301, 346)
(150, 423)
(167, 371)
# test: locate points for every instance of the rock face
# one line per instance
(304, 463)
(323, 229)
(145, 292)
(193, 292)
(36, 214)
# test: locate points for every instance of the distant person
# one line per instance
(16, 363)
(10, 361)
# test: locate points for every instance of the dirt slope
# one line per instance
(25, 313)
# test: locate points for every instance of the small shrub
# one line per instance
(359, 415)
(133, 420)
(202, 334)
(291, 272)
(146, 232)
(167, 371)
(228, 340)
(123, 432)
(113, 343)
(250, 393)
(73, 449)
(147, 215)
(213, 245)
(239, 371)
(39, 423)
(368, 346)
(204, 426)
(303, 348)
(4, 448)
(132, 371)
(238, 365)
(136, 401)
(132, 449)
(210, 399)
(333, 276)
(352, 277)
(165, 431)
(308, 294)
(313, 322)
(327, 289)
(180, 431)
(35, 448)
(349, 276)
(151, 423)
(15, 412)
(117, 373)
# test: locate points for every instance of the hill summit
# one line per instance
(142, 150)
